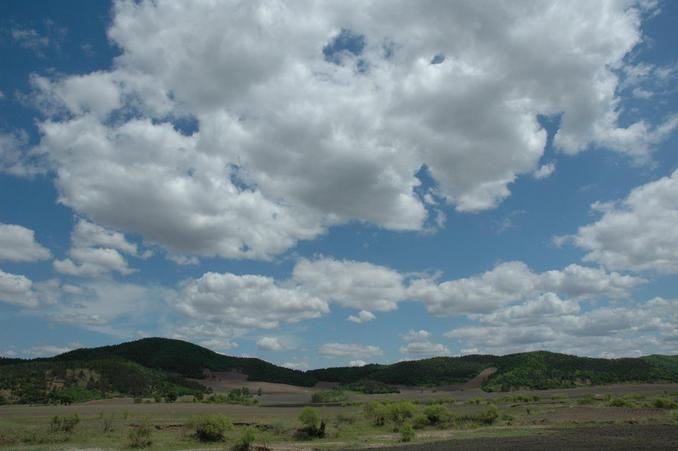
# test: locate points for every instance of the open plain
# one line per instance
(623, 416)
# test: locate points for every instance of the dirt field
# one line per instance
(614, 437)
(581, 418)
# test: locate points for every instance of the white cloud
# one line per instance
(356, 351)
(88, 234)
(17, 290)
(18, 244)
(556, 325)
(301, 366)
(218, 345)
(357, 363)
(29, 39)
(351, 284)
(51, 350)
(96, 251)
(639, 233)
(247, 301)
(17, 158)
(92, 262)
(270, 344)
(289, 143)
(362, 317)
(544, 171)
(512, 282)
(419, 345)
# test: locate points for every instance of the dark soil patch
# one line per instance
(614, 437)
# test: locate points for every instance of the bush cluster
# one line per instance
(211, 428)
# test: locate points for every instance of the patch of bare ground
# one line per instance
(580, 414)
(608, 437)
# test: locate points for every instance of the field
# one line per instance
(558, 419)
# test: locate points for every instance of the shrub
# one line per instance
(107, 424)
(420, 421)
(436, 413)
(620, 402)
(245, 441)
(665, 403)
(64, 423)
(399, 412)
(211, 428)
(586, 401)
(487, 417)
(310, 418)
(407, 432)
(170, 396)
(140, 436)
(138, 400)
(333, 395)
(375, 411)
(313, 426)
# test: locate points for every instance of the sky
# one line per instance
(333, 183)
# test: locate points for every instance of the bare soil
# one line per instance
(612, 437)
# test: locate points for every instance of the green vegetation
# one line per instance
(64, 423)
(241, 396)
(370, 387)
(189, 360)
(435, 371)
(543, 370)
(313, 426)
(407, 433)
(328, 396)
(211, 428)
(158, 368)
(665, 403)
(65, 382)
(620, 402)
(245, 441)
(140, 436)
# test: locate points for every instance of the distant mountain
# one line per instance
(161, 366)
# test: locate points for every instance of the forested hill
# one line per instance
(189, 360)
(160, 366)
(537, 370)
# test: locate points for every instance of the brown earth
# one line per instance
(608, 437)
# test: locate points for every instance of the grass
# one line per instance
(173, 426)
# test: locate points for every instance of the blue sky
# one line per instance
(319, 187)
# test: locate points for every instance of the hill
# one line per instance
(535, 370)
(161, 366)
(66, 381)
(189, 360)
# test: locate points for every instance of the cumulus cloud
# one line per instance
(17, 289)
(354, 350)
(362, 317)
(247, 301)
(550, 323)
(270, 344)
(639, 233)
(512, 282)
(295, 132)
(92, 262)
(350, 283)
(18, 244)
(419, 345)
(544, 171)
(96, 251)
